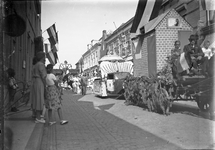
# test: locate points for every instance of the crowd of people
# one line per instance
(77, 83)
(45, 91)
(192, 59)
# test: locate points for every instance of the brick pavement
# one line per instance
(96, 129)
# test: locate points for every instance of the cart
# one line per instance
(113, 73)
(199, 88)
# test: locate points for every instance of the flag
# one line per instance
(146, 11)
(51, 57)
(50, 54)
(55, 48)
(137, 44)
(181, 63)
(51, 30)
(52, 40)
(208, 4)
(55, 57)
(53, 36)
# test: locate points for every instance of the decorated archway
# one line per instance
(65, 67)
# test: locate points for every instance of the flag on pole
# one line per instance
(181, 63)
(53, 36)
(52, 40)
(54, 48)
(146, 11)
(51, 56)
(208, 4)
(51, 30)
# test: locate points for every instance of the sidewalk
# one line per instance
(26, 135)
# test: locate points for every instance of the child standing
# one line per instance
(12, 87)
(53, 96)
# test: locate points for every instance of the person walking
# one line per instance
(53, 96)
(38, 86)
(83, 85)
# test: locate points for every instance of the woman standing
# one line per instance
(38, 86)
(53, 96)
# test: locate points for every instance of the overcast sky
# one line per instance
(80, 21)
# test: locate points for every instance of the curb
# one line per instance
(35, 139)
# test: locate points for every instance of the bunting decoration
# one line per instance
(146, 11)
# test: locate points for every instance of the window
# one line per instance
(110, 76)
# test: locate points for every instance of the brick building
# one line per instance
(160, 35)
(119, 42)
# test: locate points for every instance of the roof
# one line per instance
(120, 28)
(113, 67)
(151, 25)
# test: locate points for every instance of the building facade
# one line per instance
(119, 42)
(19, 50)
(91, 58)
(190, 13)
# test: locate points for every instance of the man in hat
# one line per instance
(193, 54)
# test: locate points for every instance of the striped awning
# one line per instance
(112, 67)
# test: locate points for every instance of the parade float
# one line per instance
(112, 72)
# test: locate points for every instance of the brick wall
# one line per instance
(141, 65)
(165, 37)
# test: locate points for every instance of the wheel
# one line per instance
(203, 103)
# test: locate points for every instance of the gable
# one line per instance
(161, 22)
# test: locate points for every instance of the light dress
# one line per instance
(52, 93)
(38, 88)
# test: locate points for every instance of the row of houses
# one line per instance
(177, 20)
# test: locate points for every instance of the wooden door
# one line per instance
(152, 60)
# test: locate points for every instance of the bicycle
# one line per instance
(21, 98)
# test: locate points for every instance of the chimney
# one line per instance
(104, 34)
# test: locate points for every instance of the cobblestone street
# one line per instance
(96, 129)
